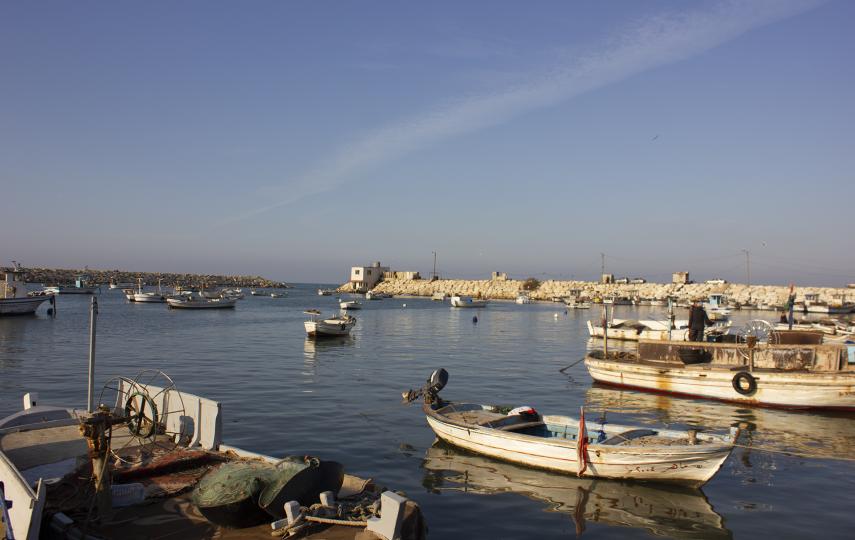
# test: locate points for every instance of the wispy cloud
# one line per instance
(650, 43)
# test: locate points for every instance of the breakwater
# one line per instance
(57, 276)
(547, 290)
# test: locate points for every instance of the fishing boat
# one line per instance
(789, 369)
(333, 326)
(837, 306)
(120, 284)
(325, 292)
(196, 301)
(130, 294)
(617, 300)
(467, 302)
(14, 297)
(634, 330)
(523, 299)
(572, 445)
(149, 462)
(150, 297)
(81, 286)
(716, 307)
(350, 304)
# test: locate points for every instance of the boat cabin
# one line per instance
(14, 286)
(717, 300)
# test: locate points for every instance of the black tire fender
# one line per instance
(749, 378)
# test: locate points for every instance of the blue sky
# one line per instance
(294, 139)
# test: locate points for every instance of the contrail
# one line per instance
(651, 43)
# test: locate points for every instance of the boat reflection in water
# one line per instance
(820, 436)
(313, 347)
(662, 510)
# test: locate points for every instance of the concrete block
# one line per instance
(30, 400)
(292, 511)
(388, 525)
(328, 498)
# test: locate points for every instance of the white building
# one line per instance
(364, 278)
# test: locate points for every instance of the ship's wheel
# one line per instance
(762, 331)
(148, 413)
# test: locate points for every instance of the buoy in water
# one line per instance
(555, 315)
(475, 319)
(404, 305)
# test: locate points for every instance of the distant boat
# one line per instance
(375, 295)
(325, 292)
(14, 297)
(150, 297)
(349, 304)
(333, 326)
(81, 286)
(200, 302)
(256, 292)
(716, 307)
(120, 285)
(523, 299)
(438, 296)
(467, 302)
(277, 295)
(634, 330)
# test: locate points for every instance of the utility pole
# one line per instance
(433, 274)
(747, 265)
(602, 264)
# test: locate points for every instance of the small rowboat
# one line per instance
(333, 326)
(523, 436)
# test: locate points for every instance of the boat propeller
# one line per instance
(436, 382)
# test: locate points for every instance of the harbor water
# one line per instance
(340, 399)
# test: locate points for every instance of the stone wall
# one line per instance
(497, 289)
(57, 276)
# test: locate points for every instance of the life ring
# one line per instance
(749, 378)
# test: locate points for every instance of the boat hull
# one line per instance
(686, 465)
(21, 306)
(791, 390)
(197, 304)
(325, 328)
(149, 298)
(631, 334)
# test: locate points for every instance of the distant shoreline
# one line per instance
(62, 276)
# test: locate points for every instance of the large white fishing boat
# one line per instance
(790, 370)
(14, 297)
(572, 445)
(150, 297)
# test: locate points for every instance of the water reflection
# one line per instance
(660, 510)
(811, 434)
(313, 347)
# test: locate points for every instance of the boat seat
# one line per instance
(521, 426)
(627, 435)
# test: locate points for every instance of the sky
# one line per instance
(296, 139)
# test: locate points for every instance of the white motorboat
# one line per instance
(316, 326)
(237, 294)
(789, 370)
(277, 295)
(523, 299)
(375, 295)
(572, 445)
(467, 302)
(150, 297)
(14, 297)
(325, 292)
(634, 330)
(200, 302)
(349, 304)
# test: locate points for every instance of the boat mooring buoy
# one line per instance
(555, 315)
(475, 319)
(403, 305)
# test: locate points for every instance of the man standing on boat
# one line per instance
(698, 320)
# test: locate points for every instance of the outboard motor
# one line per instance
(437, 381)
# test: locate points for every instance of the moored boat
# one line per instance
(14, 297)
(350, 304)
(467, 302)
(791, 370)
(523, 299)
(634, 330)
(150, 297)
(80, 286)
(200, 302)
(564, 444)
(332, 326)
(325, 292)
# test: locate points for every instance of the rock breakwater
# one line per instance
(56, 276)
(547, 290)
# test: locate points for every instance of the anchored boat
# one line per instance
(195, 301)
(467, 302)
(789, 369)
(349, 304)
(14, 297)
(332, 326)
(572, 445)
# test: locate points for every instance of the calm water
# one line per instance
(283, 394)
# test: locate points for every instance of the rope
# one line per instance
(562, 370)
(331, 521)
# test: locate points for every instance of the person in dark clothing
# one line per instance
(698, 320)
